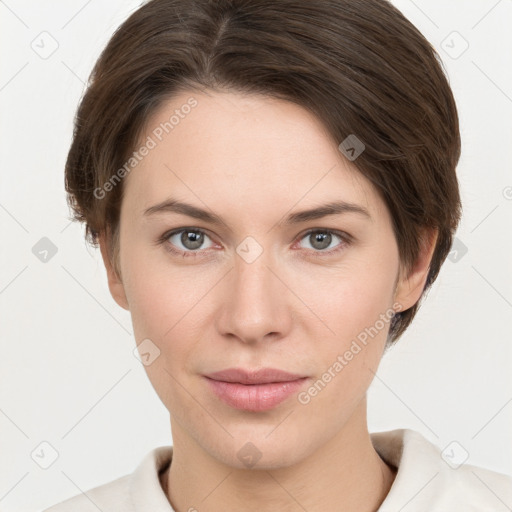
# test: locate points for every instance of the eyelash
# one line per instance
(346, 240)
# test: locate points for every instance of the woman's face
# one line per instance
(255, 289)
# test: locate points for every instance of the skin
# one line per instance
(253, 160)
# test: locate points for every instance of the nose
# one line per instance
(257, 303)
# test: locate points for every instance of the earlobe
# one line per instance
(115, 283)
(411, 284)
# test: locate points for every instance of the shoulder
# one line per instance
(129, 493)
(435, 480)
(112, 496)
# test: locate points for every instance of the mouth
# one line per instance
(254, 391)
(260, 376)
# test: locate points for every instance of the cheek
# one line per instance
(351, 298)
(363, 302)
(349, 358)
(171, 307)
(162, 310)
(358, 312)
(158, 294)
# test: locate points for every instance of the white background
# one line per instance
(68, 374)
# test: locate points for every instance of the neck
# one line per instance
(345, 474)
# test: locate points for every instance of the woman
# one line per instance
(272, 186)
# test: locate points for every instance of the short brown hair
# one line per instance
(360, 66)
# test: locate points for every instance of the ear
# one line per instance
(115, 284)
(410, 284)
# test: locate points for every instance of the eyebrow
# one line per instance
(332, 208)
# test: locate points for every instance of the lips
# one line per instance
(260, 376)
(254, 390)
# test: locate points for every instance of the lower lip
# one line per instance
(255, 397)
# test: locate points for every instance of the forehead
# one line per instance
(243, 150)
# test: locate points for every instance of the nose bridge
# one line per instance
(256, 306)
(253, 270)
(252, 274)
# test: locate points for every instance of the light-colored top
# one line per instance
(426, 481)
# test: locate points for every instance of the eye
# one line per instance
(185, 241)
(321, 239)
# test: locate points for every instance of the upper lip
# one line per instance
(260, 376)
